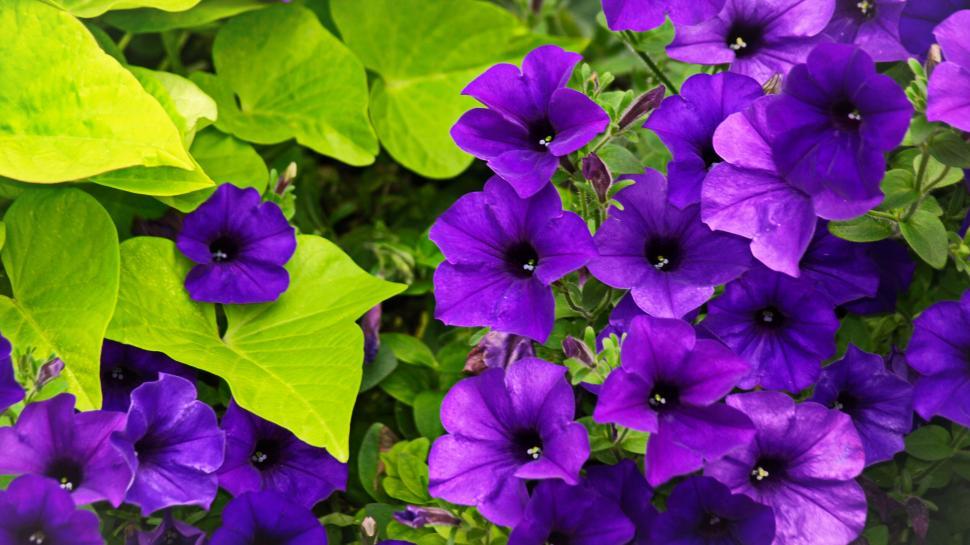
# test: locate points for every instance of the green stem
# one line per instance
(631, 40)
(920, 173)
(125, 40)
(573, 305)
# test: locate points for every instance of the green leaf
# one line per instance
(407, 381)
(409, 349)
(368, 459)
(926, 235)
(82, 113)
(427, 409)
(620, 160)
(862, 229)
(376, 371)
(292, 79)
(898, 186)
(929, 443)
(937, 174)
(139, 21)
(61, 255)
(193, 109)
(93, 8)
(296, 361)
(951, 150)
(407, 471)
(424, 54)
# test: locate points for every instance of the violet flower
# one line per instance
(10, 390)
(170, 531)
(504, 427)
(686, 123)
(940, 351)
(258, 518)
(839, 269)
(779, 324)
(873, 25)
(124, 368)
(835, 120)
(73, 449)
(669, 384)
(261, 455)
(560, 514)
(624, 484)
(643, 15)
(240, 246)
(702, 511)
(803, 464)
(35, 511)
(879, 403)
(666, 255)
(947, 97)
(921, 17)
(531, 119)
(173, 444)
(895, 267)
(758, 38)
(502, 253)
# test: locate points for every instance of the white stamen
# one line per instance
(219, 255)
(534, 452)
(658, 399)
(864, 6)
(661, 262)
(37, 538)
(118, 373)
(760, 473)
(529, 266)
(66, 484)
(767, 316)
(545, 141)
(259, 457)
(738, 44)
(855, 115)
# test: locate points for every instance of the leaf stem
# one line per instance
(630, 39)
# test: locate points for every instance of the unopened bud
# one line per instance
(577, 349)
(598, 174)
(49, 371)
(773, 85)
(419, 517)
(933, 58)
(371, 325)
(642, 106)
(285, 179)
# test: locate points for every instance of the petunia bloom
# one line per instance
(174, 445)
(506, 426)
(873, 25)
(921, 17)
(759, 39)
(879, 403)
(263, 456)
(686, 123)
(170, 531)
(531, 120)
(34, 510)
(835, 119)
(803, 464)
(839, 269)
(502, 253)
(624, 484)
(940, 351)
(124, 368)
(702, 511)
(561, 514)
(74, 449)
(256, 518)
(643, 15)
(669, 384)
(240, 246)
(10, 390)
(669, 258)
(779, 324)
(895, 267)
(947, 98)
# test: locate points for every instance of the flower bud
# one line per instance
(49, 371)
(598, 174)
(371, 324)
(642, 106)
(419, 517)
(577, 349)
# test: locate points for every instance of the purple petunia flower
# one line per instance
(895, 267)
(947, 97)
(780, 325)
(758, 38)
(920, 18)
(257, 518)
(240, 245)
(10, 390)
(803, 464)
(531, 120)
(620, 319)
(505, 426)
(502, 253)
(835, 119)
(563, 514)
(73, 449)
(669, 385)
(263, 456)
(666, 255)
(879, 403)
(624, 484)
(35, 511)
(170, 531)
(686, 123)
(839, 269)
(643, 15)
(873, 25)
(702, 511)
(173, 444)
(940, 351)
(124, 368)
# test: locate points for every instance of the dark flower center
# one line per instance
(744, 38)
(767, 470)
(265, 453)
(845, 116)
(713, 526)
(557, 538)
(522, 259)
(541, 134)
(845, 402)
(263, 538)
(32, 535)
(710, 156)
(663, 254)
(171, 536)
(769, 317)
(527, 445)
(663, 397)
(223, 249)
(68, 473)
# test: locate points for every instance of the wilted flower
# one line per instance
(240, 245)
(498, 350)
(124, 368)
(257, 518)
(702, 511)
(35, 511)
(10, 390)
(561, 514)
(419, 517)
(872, 25)
(947, 98)
(643, 15)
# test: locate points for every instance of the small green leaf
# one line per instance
(376, 371)
(620, 160)
(144, 20)
(407, 471)
(83, 113)
(427, 408)
(407, 381)
(937, 174)
(93, 8)
(61, 255)
(295, 362)
(409, 349)
(929, 443)
(899, 189)
(926, 235)
(951, 150)
(862, 229)
(368, 459)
